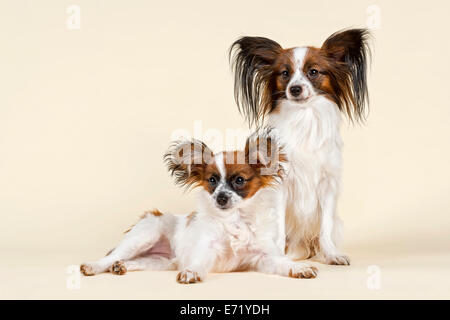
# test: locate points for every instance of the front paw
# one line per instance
(187, 277)
(303, 271)
(338, 260)
(118, 268)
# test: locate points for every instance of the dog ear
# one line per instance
(186, 161)
(264, 152)
(349, 50)
(252, 58)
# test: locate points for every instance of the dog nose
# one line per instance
(295, 90)
(222, 199)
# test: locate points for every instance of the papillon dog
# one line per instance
(236, 225)
(302, 92)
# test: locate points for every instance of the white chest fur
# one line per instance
(310, 135)
(311, 138)
(245, 231)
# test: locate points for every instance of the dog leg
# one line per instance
(142, 263)
(329, 227)
(283, 266)
(140, 238)
(196, 260)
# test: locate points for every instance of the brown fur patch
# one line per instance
(250, 167)
(86, 270)
(190, 217)
(315, 59)
(251, 175)
(286, 245)
(118, 268)
(187, 160)
(313, 248)
(187, 277)
(129, 229)
(278, 81)
(333, 79)
(307, 273)
(155, 212)
(209, 171)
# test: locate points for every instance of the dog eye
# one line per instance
(239, 181)
(313, 73)
(212, 181)
(285, 74)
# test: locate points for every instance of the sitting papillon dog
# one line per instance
(236, 225)
(302, 92)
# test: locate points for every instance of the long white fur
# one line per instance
(248, 236)
(309, 131)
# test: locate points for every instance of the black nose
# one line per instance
(295, 90)
(222, 199)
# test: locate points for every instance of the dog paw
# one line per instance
(339, 260)
(87, 269)
(187, 277)
(118, 268)
(303, 271)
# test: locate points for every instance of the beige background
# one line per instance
(85, 116)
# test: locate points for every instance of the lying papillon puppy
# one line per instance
(235, 227)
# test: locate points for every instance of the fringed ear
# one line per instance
(349, 50)
(251, 60)
(186, 161)
(264, 152)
